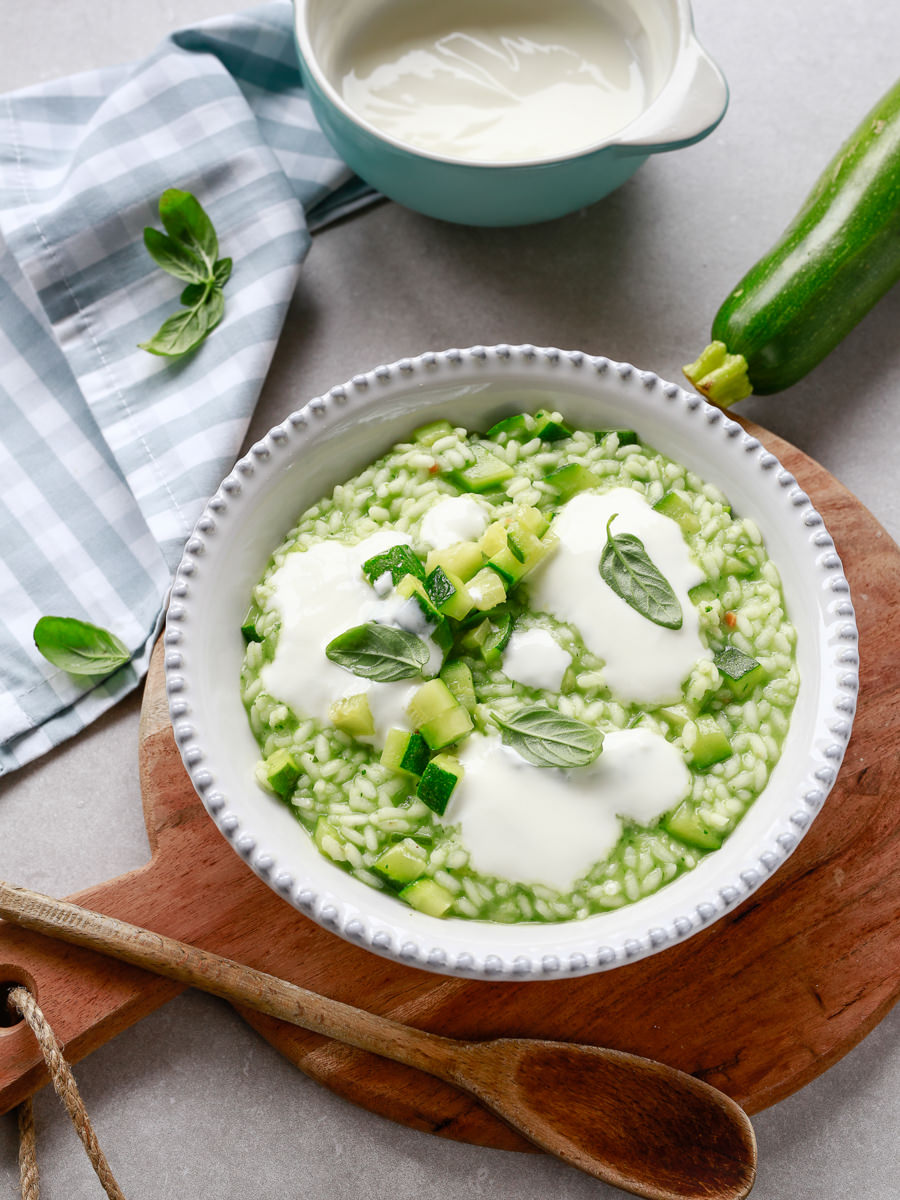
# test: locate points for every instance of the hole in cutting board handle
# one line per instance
(12, 977)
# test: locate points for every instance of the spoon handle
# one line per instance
(231, 980)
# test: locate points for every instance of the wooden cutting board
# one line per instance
(758, 1005)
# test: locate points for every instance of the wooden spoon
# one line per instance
(639, 1125)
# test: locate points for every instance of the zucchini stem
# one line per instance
(719, 376)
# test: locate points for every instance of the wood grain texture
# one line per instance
(758, 1005)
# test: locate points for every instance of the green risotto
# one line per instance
(527, 675)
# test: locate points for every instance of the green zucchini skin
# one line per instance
(836, 259)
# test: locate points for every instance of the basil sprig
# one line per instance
(628, 569)
(379, 652)
(189, 250)
(549, 739)
(78, 647)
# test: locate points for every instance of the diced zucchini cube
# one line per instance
(448, 593)
(405, 752)
(458, 679)
(486, 472)
(491, 653)
(353, 715)
(399, 561)
(401, 863)
(329, 840)
(493, 539)
(740, 672)
(515, 547)
(442, 636)
(511, 570)
(706, 598)
(462, 559)
(438, 587)
(507, 566)
(530, 519)
(626, 437)
(703, 593)
(685, 824)
(447, 727)
(571, 479)
(711, 745)
(499, 632)
(487, 589)
(427, 435)
(248, 626)
(438, 780)
(522, 543)
(548, 428)
(428, 897)
(473, 639)
(282, 771)
(411, 588)
(676, 716)
(429, 701)
(677, 506)
(518, 425)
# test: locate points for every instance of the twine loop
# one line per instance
(20, 1000)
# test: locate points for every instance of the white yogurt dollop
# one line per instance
(534, 657)
(541, 825)
(453, 519)
(644, 663)
(320, 593)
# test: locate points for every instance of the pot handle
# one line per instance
(689, 107)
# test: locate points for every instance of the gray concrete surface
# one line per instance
(192, 1102)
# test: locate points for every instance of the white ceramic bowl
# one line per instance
(331, 439)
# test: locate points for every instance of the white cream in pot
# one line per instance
(493, 80)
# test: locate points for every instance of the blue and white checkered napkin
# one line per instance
(107, 453)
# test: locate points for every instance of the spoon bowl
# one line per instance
(634, 1123)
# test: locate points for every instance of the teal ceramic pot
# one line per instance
(687, 97)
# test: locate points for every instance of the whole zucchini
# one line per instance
(839, 255)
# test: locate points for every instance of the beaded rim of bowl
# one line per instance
(828, 743)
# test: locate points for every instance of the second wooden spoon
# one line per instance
(639, 1125)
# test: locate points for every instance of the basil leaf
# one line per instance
(78, 647)
(181, 332)
(215, 308)
(193, 294)
(185, 220)
(379, 652)
(188, 250)
(628, 569)
(187, 328)
(178, 260)
(222, 271)
(549, 739)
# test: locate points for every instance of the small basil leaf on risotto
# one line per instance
(79, 648)
(628, 569)
(379, 652)
(548, 739)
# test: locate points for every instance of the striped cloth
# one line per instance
(107, 453)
